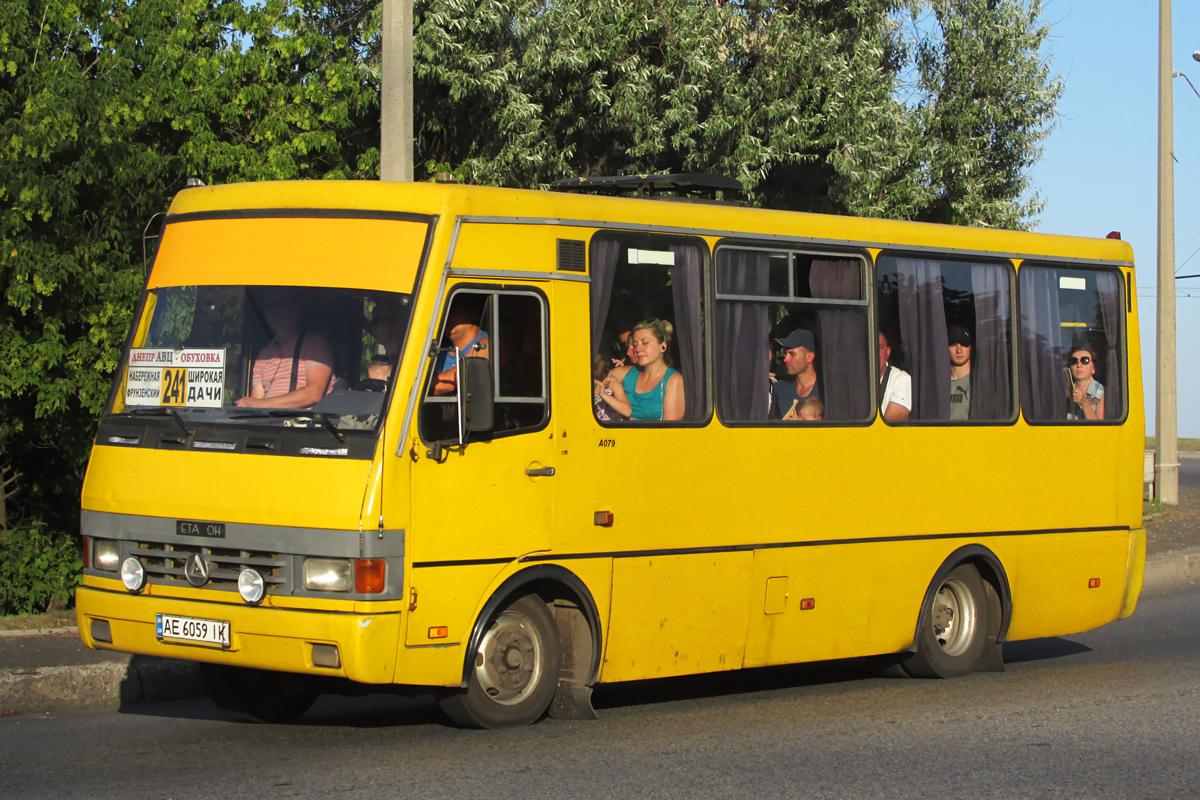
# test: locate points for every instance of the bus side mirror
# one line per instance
(479, 397)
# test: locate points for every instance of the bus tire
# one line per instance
(515, 672)
(256, 695)
(953, 627)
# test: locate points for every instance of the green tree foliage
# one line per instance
(928, 109)
(987, 98)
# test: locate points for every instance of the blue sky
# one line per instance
(1099, 170)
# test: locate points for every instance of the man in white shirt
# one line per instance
(895, 385)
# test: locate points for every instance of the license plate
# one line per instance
(189, 629)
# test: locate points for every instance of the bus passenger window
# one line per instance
(791, 330)
(647, 328)
(1072, 356)
(947, 326)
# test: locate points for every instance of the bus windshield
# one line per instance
(286, 355)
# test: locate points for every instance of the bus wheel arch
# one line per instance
(574, 626)
(972, 584)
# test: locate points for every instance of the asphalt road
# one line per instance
(1189, 472)
(1110, 713)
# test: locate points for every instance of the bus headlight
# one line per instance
(132, 574)
(251, 586)
(328, 574)
(106, 554)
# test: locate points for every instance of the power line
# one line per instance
(1190, 294)
(1185, 261)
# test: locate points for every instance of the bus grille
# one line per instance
(164, 564)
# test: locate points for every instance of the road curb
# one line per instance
(71, 631)
(1171, 569)
(109, 684)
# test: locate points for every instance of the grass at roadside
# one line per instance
(1184, 444)
(1151, 507)
(29, 622)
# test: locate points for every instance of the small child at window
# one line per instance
(810, 409)
(601, 366)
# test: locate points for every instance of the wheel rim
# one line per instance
(954, 617)
(508, 665)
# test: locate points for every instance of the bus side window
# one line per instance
(1071, 315)
(949, 326)
(657, 281)
(791, 336)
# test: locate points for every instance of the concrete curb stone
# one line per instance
(1171, 569)
(111, 685)
(68, 631)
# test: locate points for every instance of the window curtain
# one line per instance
(1108, 287)
(688, 322)
(743, 336)
(923, 331)
(991, 376)
(844, 355)
(1045, 386)
(605, 253)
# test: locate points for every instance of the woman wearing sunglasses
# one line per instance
(1087, 393)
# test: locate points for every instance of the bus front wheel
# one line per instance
(256, 695)
(953, 627)
(515, 672)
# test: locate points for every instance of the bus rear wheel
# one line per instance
(953, 627)
(256, 695)
(515, 672)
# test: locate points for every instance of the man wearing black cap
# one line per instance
(800, 349)
(960, 371)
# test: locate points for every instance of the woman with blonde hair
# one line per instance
(649, 390)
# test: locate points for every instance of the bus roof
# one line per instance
(704, 219)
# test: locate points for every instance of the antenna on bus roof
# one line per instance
(688, 184)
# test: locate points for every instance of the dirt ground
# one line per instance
(1177, 528)
(25, 622)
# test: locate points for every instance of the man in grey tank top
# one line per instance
(960, 371)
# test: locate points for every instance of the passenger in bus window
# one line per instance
(602, 367)
(295, 369)
(622, 349)
(895, 385)
(1087, 393)
(960, 371)
(386, 328)
(467, 337)
(650, 390)
(811, 409)
(800, 353)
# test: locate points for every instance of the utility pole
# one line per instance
(1166, 412)
(396, 103)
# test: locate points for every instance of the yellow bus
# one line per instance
(503, 445)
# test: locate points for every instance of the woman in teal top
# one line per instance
(648, 391)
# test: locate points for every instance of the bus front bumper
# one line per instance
(280, 639)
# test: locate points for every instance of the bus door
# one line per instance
(479, 507)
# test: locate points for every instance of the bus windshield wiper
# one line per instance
(162, 411)
(321, 416)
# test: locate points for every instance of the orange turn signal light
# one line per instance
(808, 603)
(369, 575)
(603, 518)
(1094, 583)
(439, 632)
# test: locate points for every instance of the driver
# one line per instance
(295, 369)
